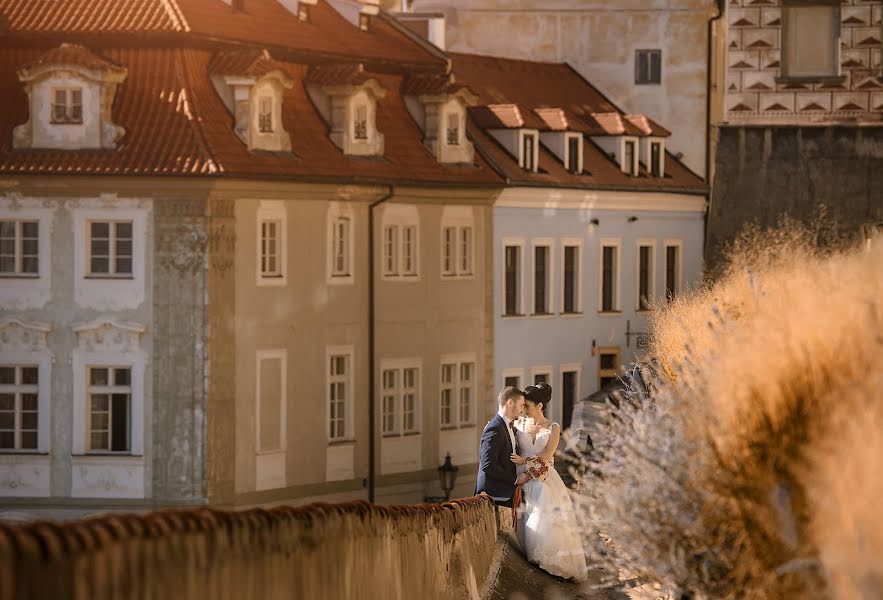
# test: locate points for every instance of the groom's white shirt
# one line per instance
(509, 429)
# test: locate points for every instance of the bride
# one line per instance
(547, 528)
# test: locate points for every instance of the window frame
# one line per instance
(17, 390)
(68, 106)
(548, 244)
(631, 168)
(280, 354)
(519, 291)
(399, 366)
(578, 138)
(458, 253)
(616, 309)
(348, 352)
(266, 125)
(651, 284)
(18, 255)
(336, 215)
(836, 33)
(577, 369)
(547, 370)
(578, 280)
(398, 218)
(609, 373)
(530, 166)
(647, 55)
(679, 267)
(272, 212)
(360, 129)
(112, 242)
(655, 167)
(453, 115)
(510, 373)
(110, 391)
(456, 387)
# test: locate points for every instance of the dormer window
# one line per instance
(265, 116)
(656, 159)
(72, 87)
(67, 106)
(629, 156)
(453, 129)
(528, 151)
(364, 22)
(303, 12)
(360, 123)
(573, 155)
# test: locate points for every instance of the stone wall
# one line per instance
(355, 551)
(762, 173)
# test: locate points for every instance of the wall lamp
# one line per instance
(594, 221)
(632, 219)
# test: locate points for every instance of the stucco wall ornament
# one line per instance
(107, 334)
(23, 335)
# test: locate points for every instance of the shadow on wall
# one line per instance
(354, 550)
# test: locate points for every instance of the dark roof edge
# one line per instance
(426, 45)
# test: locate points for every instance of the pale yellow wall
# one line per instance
(599, 39)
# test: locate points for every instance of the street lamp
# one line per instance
(447, 477)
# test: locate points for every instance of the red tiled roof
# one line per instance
(537, 87)
(176, 124)
(431, 83)
(251, 63)
(72, 54)
(504, 116)
(266, 23)
(648, 126)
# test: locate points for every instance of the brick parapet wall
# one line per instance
(354, 551)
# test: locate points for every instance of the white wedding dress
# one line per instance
(548, 532)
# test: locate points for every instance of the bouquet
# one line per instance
(537, 467)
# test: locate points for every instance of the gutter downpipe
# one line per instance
(708, 142)
(371, 354)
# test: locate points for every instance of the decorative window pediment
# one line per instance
(347, 97)
(70, 94)
(252, 85)
(23, 335)
(439, 106)
(109, 335)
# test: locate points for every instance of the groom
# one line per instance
(496, 471)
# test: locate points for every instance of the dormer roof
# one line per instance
(433, 83)
(504, 116)
(648, 126)
(246, 63)
(338, 74)
(553, 118)
(67, 55)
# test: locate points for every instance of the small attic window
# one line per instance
(364, 22)
(453, 129)
(528, 152)
(265, 114)
(656, 159)
(360, 123)
(67, 106)
(303, 12)
(628, 161)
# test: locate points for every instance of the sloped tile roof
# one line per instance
(72, 54)
(504, 116)
(431, 83)
(252, 63)
(89, 16)
(538, 87)
(338, 74)
(553, 118)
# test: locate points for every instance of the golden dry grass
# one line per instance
(765, 439)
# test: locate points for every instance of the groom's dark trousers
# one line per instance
(496, 472)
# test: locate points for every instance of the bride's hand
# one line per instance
(518, 460)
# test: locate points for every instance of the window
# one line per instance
(672, 269)
(513, 377)
(271, 262)
(541, 272)
(453, 129)
(810, 38)
(110, 396)
(570, 276)
(457, 250)
(648, 67)
(400, 248)
(19, 248)
(569, 393)
(19, 414)
(609, 276)
(628, 158)
(512, 281)
(339, 390)
(541, 375)
(646, 270)
(457, 392)
(340, 247)
(400, 400)
(67, 106)
(656, 159)
(360, 123)
(608, 366)
(265, 115)
(390, 250)
(110, 249)
(409, 250)
(528, 149)
(573, 148)
(271, 400)
(303, 12)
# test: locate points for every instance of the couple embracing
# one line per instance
(516, 469)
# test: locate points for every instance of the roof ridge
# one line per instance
(176, 15)
(507, 58)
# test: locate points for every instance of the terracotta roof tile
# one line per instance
(648, 126)
(252, 63)
(554, 118)
(504, 116)
(79, 16)
(431, 83)
(338, 74)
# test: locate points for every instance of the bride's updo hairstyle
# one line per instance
(546, 389)
(536, 395)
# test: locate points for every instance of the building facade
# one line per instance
(650, 58)
(801, 116)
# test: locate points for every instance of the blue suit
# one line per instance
(496, 471)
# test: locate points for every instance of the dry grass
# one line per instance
(732, 480)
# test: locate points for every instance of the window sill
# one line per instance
(542, 316)
(823, 79)
(28, 276)
(609, 313)
(400, 435)
(11, 452)
(110, 277)
(513, 317)
(343, 442)
(571, 315)
(94, 454)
